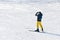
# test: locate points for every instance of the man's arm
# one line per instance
(36, 14)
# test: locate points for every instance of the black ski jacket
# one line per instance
(39, 16)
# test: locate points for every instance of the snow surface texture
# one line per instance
(17, 19)
(29, 1)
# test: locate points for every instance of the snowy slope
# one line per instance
(17, 19)
(30, 1)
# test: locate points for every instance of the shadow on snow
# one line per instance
(46, 33)
(51, 33)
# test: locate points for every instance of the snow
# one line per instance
(17, 19)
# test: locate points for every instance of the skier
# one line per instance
(39, 18)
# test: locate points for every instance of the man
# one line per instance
(39, 18)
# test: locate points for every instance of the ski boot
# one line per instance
(37, 30)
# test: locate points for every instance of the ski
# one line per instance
(36, 31)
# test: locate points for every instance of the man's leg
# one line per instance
(37, 26)
(41, 26)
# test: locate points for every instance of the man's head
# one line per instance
(39, 12)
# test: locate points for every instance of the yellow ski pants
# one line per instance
(39, 24)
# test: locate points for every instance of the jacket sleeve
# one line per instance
(42, 14)
(36, 14)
